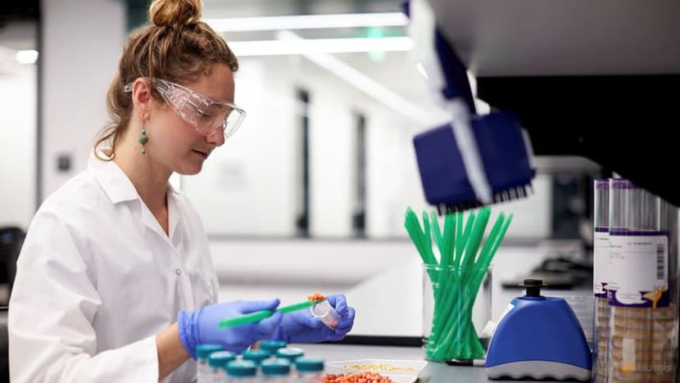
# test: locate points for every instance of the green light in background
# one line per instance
(375, 33)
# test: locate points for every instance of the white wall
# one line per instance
(246, 187)
(265, 199)
(82, 43)
(394, 182)
(267, 152)
(18, 96)
(333, 138)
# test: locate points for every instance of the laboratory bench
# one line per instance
(432, 373)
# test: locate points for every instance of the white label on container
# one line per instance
(600, 264)
(638, 269)
(628, 355)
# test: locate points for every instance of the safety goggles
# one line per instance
(207, 116)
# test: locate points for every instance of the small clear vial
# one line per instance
(241, 371)
(309, 370)
(276, 371)
(217, 361)
(256, 356)
(326, 313)
(203, 351)
(272, 345)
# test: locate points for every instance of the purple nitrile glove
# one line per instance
(303, 327)
(202, 326)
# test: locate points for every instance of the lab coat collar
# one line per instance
(112, 179)
(119, 188)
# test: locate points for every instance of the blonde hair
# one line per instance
(178, 47)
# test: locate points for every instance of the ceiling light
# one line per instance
(27, 56)
(353, 20)
(290, 47)
(363, 82)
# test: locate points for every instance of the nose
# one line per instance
(216, 137)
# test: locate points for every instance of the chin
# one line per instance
(190, 170)
(188, 166)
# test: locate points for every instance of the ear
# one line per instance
(141, 96)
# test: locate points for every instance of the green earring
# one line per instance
(143, 139)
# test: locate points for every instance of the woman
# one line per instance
(115, 281)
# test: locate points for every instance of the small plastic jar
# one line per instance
(326, 313)
(290, 353)
(241, 371)
(272, 345)
(216, 362)
(203, 351)
(276, 371)
(309, 370)
(256, 356)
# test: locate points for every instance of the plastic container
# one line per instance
(272, 345)
(256, 356)
(309, 370)
(398, 370)
(600, 336)
(291, 354)
(642, 288)
(241, 371)
(203, 370)
(326, 313)
(216, 362)
(276, 371)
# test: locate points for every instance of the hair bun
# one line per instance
(175, 12)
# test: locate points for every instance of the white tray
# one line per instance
(409, 375)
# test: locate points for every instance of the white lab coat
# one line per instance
(98, 277)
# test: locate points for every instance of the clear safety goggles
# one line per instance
(207, 116)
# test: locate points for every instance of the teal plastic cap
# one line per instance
(309, 364)
(220, 358)
(204, 350)
(241, 368)
(256, 356)
(290, 353)
(275, 367)
(272, 345)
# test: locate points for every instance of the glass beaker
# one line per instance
(449, 296)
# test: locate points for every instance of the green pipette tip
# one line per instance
(260, 315)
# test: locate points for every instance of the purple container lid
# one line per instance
(620, 183)
(602, 184)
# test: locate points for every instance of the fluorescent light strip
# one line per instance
(352, 20)
(363, 82)
(290, 47)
